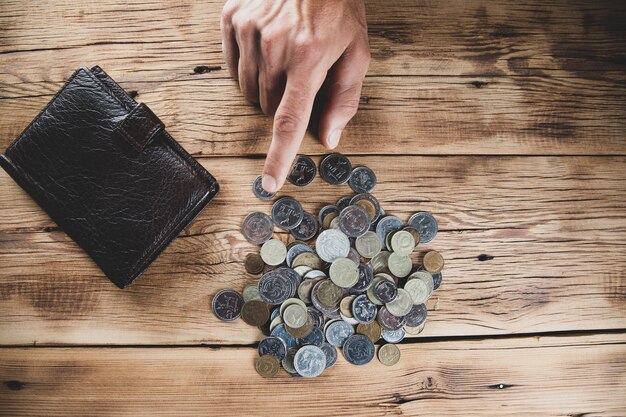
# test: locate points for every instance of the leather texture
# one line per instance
(108, 173)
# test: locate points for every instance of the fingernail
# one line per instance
(333, 139)
(268, 183)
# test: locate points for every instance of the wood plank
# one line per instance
(163, 40)
(560, 376)
(532, 244)
(407, 115)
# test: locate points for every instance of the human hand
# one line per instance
(282, 52)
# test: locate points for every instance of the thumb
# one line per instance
(343, 94)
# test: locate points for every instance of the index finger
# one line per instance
(290, 123)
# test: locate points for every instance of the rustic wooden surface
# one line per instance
(506, 119)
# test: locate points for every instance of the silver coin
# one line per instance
(335, 169)
(331, 354)
(358, 349)
(401, 305)
(287, 213)
(354, 221)
(280, 332)
(386, 225)
(303, 171)
(273, 346)
(315, 338)
(295, 316)
(425, 224)
(277, 286)
(227, 305)
(437, 278)
(273, 252)
(332, 244)
(287, 363)
(325, 211)
(310, 361)
(393, 336)
(389, 321)
(296, 250)
(307, 229)
(366, 275)
(338, 332)
(363, 310)
(362, 180)
(259, 192)
(367, 196)
(257, 228)
(343, 202)
(417, 315)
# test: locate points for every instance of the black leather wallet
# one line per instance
(108, 173)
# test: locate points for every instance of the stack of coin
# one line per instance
(355, 285)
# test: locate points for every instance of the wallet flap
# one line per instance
(140, 126)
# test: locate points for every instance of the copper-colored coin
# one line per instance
(389, 354)
(309, 259)
(371, 330)
(267, 366)
(304, 331)
(345, 306)
(414, 232)
(253, 263)
(255, 313)
(328, 219)
(369, 207)
(433, 261)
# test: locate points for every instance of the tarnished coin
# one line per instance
(344, 273)
(401, 305)
(387, 225)
(276, 286)
(362, 180)
(371, 330)
(354, 221)
(255, 313)
(288, 302)
(366, 276)
(315, 337)
(295, 316)
(331, 221)
(414, 232)
(227, 304)
(389, 321)
(337, 332)
(399, 265)
(295, 250)
(259, 192)
(280, 332)
(303, 171)
(358, 349)
(331, 354)
(272, 346)
(335, 169)
(389, 354)
(307, 229)
(402, 242)
(343, 202)
(257, 227)
(332, 244)
(310, 361)
(328, 294)
(415, 330)
(253, 263)
(273, 252)
(417, 315)
(267, 366)
(345, 305)
(371, 199)
(433, 261)
(302, 332)
(363, 310)
(251, 292)
(437, 278)
(287, 363)
(393, 336)
(369, 207)
(287, 213)
(418, 290)
(386, 291)
(368, 245)
(426, 225)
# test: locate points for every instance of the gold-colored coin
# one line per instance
(371, 330)
(400, 266)
(433, 261)
(369, 207)
(255, 313)
(329, 218)
(254, 263)
(345, 306)
(273, 252)
(308, 259)
(267, 366)
(329, 294)
(389, 354)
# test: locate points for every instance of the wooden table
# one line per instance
(506, 119)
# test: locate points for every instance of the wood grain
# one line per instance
(451, 78)
(532, 244)
(560, 376)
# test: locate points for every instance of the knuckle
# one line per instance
(228, 11)
(244, 24)
(286, 123)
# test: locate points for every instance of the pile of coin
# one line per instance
(355, 285)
